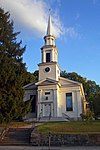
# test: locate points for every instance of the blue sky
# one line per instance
(76, 25)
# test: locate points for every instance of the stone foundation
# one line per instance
(65, 139)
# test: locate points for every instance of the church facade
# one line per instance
(54, 98)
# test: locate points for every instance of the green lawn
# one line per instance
(16, 124)
(70, 127)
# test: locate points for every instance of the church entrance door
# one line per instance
(47, 110)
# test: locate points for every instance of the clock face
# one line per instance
(47, 69)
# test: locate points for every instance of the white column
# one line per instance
(55, 103)
(39, 103)
(56, 55)
(43, 56)
(79, 103)
(75, 103)
(52, 109)
(52, 52)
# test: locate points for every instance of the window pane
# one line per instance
(47, 93)
(69, 106)
(46, 98)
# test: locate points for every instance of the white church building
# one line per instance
(54, 98)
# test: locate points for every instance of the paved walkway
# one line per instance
(47, 148)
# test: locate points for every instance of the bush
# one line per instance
(88, 116)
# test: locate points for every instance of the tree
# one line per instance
(31, 77)
(12, 71)
(96, 103)
(88, 116)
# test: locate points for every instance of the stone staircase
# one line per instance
(17, 137)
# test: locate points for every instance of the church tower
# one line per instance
(49, 67)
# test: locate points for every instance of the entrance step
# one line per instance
(52, 119)
(17, 137)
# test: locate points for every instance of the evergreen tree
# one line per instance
(12, 71)
(31, 77)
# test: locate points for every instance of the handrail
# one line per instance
(3, 133)
(67, 117)
(40, 115)
(49, 115)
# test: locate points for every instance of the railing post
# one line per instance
(49, 140)
(49, 115)
(40, 115)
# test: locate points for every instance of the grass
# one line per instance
(15, 124)
(69, 127)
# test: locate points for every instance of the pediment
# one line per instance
(67, 82)
(46, 81)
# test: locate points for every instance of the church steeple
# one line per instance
(49, 38)
(49, 50)
(49, 68)
(49, 28)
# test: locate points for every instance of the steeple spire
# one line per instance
(49, 28)
(49, 38)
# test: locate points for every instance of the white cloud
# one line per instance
(32, 15)
(71, 32)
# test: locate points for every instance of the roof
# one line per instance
(66, 81)
(30, 86)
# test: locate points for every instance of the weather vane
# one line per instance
(49, 11)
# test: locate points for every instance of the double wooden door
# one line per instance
(46, 110)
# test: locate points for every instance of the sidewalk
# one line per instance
(47, 148)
